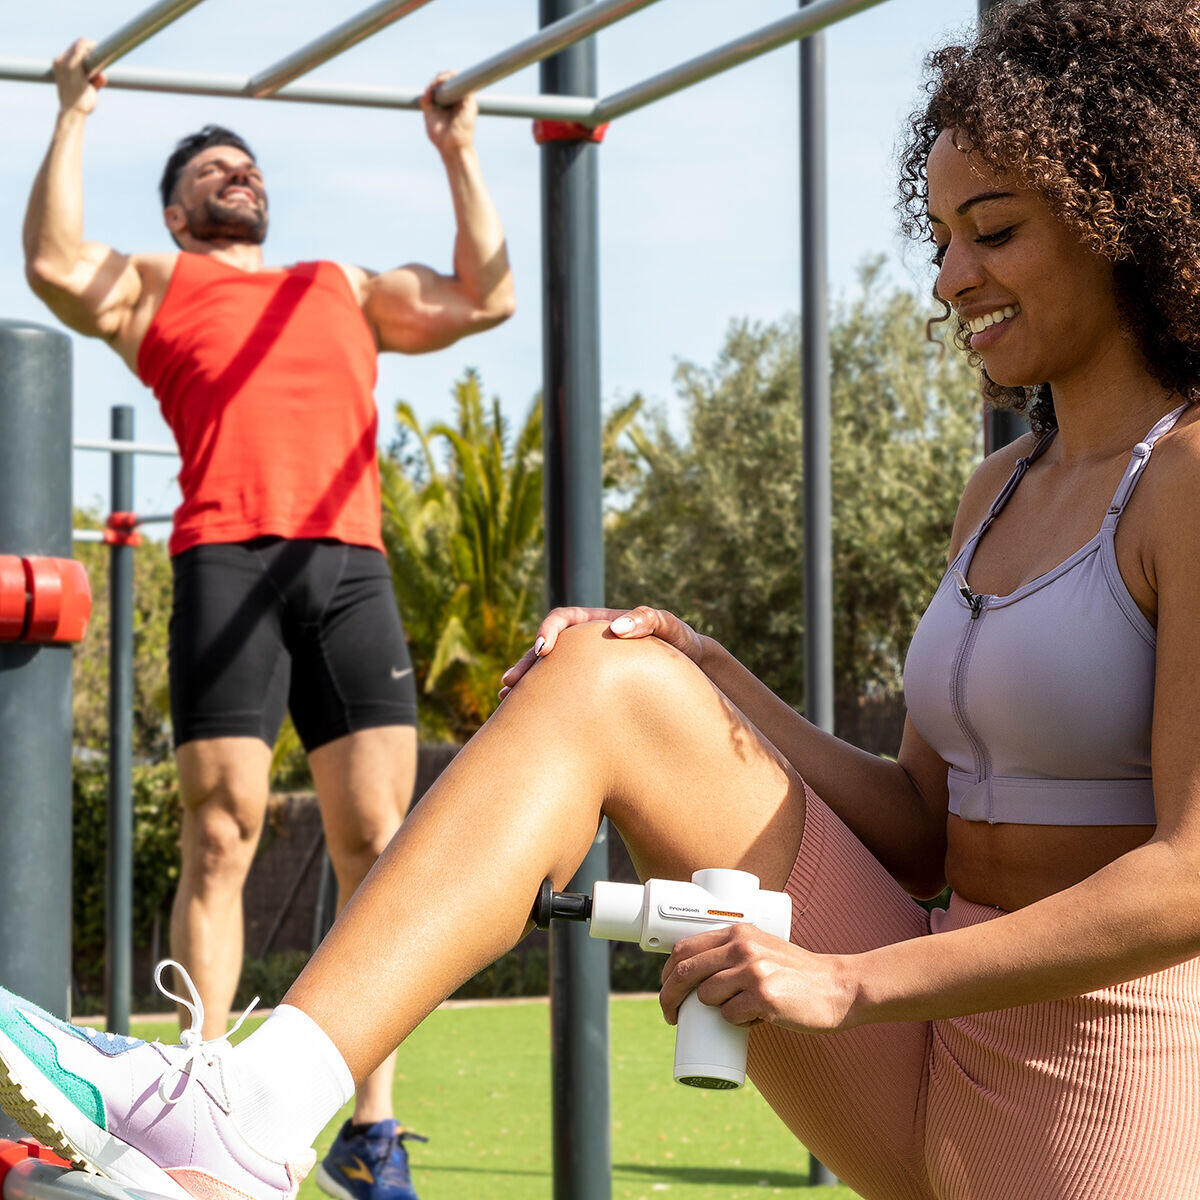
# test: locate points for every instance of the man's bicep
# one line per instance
(414, 309)
(97, 296)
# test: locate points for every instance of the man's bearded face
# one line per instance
(216, 219)
(225, 199)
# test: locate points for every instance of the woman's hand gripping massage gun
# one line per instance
(709, 1051)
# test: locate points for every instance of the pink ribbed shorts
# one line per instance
(1091, 1098)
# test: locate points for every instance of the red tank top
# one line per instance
(266, 379)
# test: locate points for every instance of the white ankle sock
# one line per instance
(291, 1082)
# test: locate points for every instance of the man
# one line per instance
(265, 376)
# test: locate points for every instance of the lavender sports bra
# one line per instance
(1041, 701)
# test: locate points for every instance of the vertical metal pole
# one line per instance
(575, 575)
(814, 308)
(35, 680)
(1000, 426)
(814, 342)
(120, 742)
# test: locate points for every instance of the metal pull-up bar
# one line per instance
(348, 34)
(233, 87)
(547, 41)
(268, 85)
(810, 19)
(134, 33)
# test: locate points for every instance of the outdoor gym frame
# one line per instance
(563, 25)
(570, 120)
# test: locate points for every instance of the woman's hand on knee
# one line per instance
(752, 976)
(628, 624)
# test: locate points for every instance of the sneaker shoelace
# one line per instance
(385, 1154)
(200, 1057)
(395, 1169)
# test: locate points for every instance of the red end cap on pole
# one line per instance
(12, 1153)
(46, 600)
(14, 599)
(567, 131)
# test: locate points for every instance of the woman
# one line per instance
(1041, 1038)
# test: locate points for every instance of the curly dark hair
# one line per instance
(1096, 104)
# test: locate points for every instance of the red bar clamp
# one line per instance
(121, 529)
(43, 599)
(567, 131)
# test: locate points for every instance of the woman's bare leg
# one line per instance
(630, 730)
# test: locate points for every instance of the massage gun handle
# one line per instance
(709, 1051)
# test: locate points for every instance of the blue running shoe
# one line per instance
(369, 1165)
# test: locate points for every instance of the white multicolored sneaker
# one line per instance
(158, 1118)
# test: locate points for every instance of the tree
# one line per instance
(464, 533)
(713, 525)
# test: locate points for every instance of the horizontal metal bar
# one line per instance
(98, 535)
(137, 79)
(32, 1179)
(347, 34)
(118, 447)
(808, 20)
(134, 33)
(534, 48)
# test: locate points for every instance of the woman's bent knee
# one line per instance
(624, 696)
(616, 670)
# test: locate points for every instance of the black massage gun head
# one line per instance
(565, 906)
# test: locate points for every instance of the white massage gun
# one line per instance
(709, 1051)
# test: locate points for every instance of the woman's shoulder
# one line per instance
(1179, 448)
(983, 487)
(1170, 483)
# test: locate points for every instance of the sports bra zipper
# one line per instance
(977, 604)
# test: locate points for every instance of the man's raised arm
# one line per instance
(89, 287)
(414, 308)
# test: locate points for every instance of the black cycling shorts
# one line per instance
(309, 626)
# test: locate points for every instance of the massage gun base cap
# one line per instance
(712, 1076)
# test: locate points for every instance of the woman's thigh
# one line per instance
(855, 1099)
(1096, 1097)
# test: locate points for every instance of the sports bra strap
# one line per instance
(1138, 458)
(1014, 479)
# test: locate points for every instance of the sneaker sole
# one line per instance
(32, 1100)
(331, 1187)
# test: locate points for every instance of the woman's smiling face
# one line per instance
(1037, 304)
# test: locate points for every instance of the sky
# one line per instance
(698, 193)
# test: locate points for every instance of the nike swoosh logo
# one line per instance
(401, 674)
(361, 1171)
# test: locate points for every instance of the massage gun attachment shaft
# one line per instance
(563, 906)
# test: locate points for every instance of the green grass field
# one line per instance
(475, 1081)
